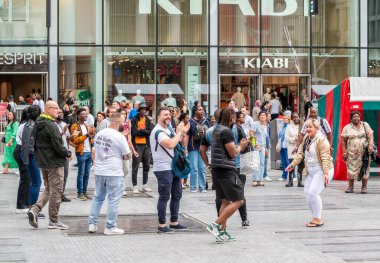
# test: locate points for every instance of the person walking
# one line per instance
(141, 127)
(198, 126)
(256, 110)
(267, 149)
(357, 139)
(283, 146)
(315, 151)
(291, 137)
(111, 148)
(260, 133)
(28, 142)
(51, 157)
(275, 107)
(9, 161)
(169, 185)
(228, 186)
(22, 203)
(66, 137)
(83, 151)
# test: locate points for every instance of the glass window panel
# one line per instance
(238, 60)
(183, 22)
(129, 22)
(182, 74)
(80, 21)
(285, 60)
(23, 22)
(336, 24)
(131, 70)
(80, 76)
(374, 63)
(374, 24)
(239, 26)
(332, 66)
(285, 23)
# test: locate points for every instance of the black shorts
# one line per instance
(227, 184)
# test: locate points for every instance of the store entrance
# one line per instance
(22, 84)
(243, 89)
(290, 89)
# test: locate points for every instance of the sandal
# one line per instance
(311, 224)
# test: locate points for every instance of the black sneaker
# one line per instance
(65, 199)
(165, 230)
(245, 224)
(178, 227)
(33, 219)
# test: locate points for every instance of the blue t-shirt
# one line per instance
(194, 144)
(133, 113)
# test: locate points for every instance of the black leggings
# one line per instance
(243, 208)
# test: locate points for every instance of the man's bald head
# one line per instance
(117, 121)
(52, 109)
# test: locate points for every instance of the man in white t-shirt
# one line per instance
(111, 148)
(274, 107)
(248, 123)
(90, 119)
(169, 185)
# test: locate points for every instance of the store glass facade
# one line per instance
(171, 50)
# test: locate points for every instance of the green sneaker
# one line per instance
(227, 236)
(214, 229)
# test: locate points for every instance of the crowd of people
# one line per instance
(40, 144)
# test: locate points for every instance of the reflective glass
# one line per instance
(336, 23)
(80, 22)
(285, 23)
(182, 22)
(285, 60)
(374, 63)
(23, 22)
(129, 22)
(80, 76)
(374, 23)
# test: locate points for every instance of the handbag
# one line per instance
(365, 158)
(249, 162)
(3, 140)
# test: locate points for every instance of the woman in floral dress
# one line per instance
(10, 143)
(357, 137)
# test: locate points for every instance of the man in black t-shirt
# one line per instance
(228, 186)
(307, 107)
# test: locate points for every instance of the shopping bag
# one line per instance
(249, 162)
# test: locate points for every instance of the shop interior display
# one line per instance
(120, 96)
(138, 97)
(169, 101)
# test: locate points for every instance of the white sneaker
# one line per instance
(58, 225)
(125, 193)
(268, 179)
(136, 190)
(281, 179)
(92, 228)
(145, 188)
(113, 231)
(204, 191)
(22, 211)
(295, 179)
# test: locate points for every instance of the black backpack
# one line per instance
(199, 130)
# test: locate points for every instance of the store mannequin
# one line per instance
(169, 101)
(120, 96)
(138, 97)
(267, 96)
(238, 98)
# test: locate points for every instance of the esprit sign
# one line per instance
(268, 7)
(266, 63)
(21, 58)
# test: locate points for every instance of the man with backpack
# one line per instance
(165, 140)
(198, 126)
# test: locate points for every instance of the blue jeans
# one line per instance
(257, 176)
(169, 187)
(284, 162)
(113, 188)
(35, 179)
(266, 166)
(198, 171)
(84, 167)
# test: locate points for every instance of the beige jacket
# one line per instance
(323, 153)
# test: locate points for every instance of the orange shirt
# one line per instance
(141, 125)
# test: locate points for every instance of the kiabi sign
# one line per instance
(21, 58)
(266, 63)
(145, 7)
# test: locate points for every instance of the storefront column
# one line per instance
(52, 89)
(363, 37)
(213, 57)
(98, 87)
